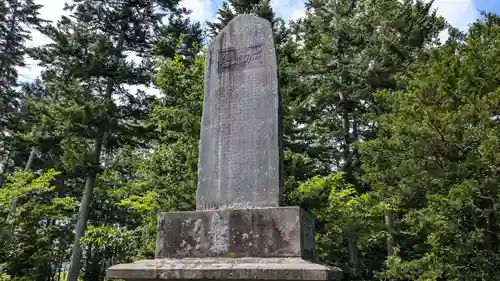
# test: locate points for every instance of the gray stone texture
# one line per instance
(282, 269)
(241, 160)
(264, 233)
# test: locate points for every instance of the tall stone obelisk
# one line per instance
(240, 230)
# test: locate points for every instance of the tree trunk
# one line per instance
(390, 233)
(349, 177)
(346, 124)
(87, 276)
(60, 260)
(83, 212)
(48, 261)
(353, 252)
(27, 168)
(31, 159)
(76, 253)
(5, 168)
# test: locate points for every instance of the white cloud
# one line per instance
(201, 10)
(459, 13)
(52, 11)
(289, 9)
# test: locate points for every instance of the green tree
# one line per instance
(51, 236)
(343, 52)
(232, 8)
(350, 50)
(28, 233)
(16, 18)
(436, 160)
(340, 209)
(138, 183)
(174, 164)
(88, 71)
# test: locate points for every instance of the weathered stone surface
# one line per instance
(283, 269)
(240, 162)
(266, 232)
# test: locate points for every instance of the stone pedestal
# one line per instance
(283, 269)
(280, 232)
(232, 244)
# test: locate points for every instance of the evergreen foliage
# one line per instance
(391, 137)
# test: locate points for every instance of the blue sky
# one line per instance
(492, 6)
(206, 9)
(459, 13)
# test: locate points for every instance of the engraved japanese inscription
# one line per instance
(237, 57)
(240, 157)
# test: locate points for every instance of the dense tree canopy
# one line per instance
(391, 138)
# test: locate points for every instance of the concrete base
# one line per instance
(231, 244)
(282, 269)
(281, 232)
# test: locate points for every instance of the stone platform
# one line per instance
(282, 269)
(231, 244)
(261, 233)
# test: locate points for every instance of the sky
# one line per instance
(459, 13)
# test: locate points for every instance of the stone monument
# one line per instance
(240, 231)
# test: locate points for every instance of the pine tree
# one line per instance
(347, 51)
(28, 234)
(232, 8)
(436, 160)
(352, 49)
(88, 71)
(16, 18)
